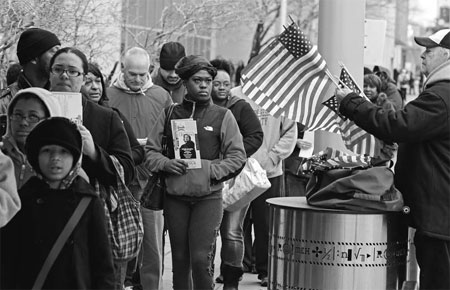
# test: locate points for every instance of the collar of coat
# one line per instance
(440, 73)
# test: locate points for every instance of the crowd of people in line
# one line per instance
(49, 165)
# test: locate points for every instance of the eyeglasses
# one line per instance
(71, 73)
(30, 119)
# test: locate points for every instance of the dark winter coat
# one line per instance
(422, 129)
(85, 262)
(393, 95)
(248, 123)
(110, 138)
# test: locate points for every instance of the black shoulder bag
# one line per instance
(153, 194)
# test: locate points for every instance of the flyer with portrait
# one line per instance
(185, 142)
(71, 105)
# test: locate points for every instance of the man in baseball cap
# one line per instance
(440, 38)
(437, 50)
(422, 170)
(35, 48)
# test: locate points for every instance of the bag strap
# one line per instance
(166, 127)
(56, 249)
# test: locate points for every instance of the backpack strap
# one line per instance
(56, 249)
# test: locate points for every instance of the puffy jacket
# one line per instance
(422, 129)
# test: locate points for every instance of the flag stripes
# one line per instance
(287, 77)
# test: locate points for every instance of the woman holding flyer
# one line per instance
(102, 130)
(193, 204)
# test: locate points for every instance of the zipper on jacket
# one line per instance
(193, 110)
(22, 172)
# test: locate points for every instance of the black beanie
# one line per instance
(53, 131)
(34, 42)
(171, 53)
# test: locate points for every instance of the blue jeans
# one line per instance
(120, 269)
(193, 227)
(231, 232)
(152, 251)
(260, 217)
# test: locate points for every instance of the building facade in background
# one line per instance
(142, 25)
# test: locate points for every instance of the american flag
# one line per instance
(288, 77)
(330, 158)
(329, 119)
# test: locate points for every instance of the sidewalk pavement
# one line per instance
(249, 281)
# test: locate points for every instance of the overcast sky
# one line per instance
(424, 12)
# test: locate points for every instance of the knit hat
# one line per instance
(34, 42)
(440, 38)
(171, 53)
(189, 65)
(53, 131)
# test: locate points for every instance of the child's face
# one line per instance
(26, 109)
(55, 163)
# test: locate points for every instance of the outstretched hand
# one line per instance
(340, 93)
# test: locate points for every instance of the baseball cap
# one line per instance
(439, 38)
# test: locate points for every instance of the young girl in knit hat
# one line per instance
(49, 199)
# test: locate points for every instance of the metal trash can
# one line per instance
(316, 248)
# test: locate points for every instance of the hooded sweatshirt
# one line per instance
(280, 137)
(22, 169)
(176, 91)
(422, 129)
(9, 198)
(85, 262)
(141, 108)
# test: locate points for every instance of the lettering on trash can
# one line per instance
(339, 254)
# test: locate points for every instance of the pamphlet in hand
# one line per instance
(71, 106)
(185, 142)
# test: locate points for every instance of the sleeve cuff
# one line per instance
(349, 104)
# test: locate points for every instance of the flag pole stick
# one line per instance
(332, 78)
(290, 17)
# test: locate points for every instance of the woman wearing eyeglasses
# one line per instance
(102, 130)
(26, 109)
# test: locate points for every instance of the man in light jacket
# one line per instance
(141, 102)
